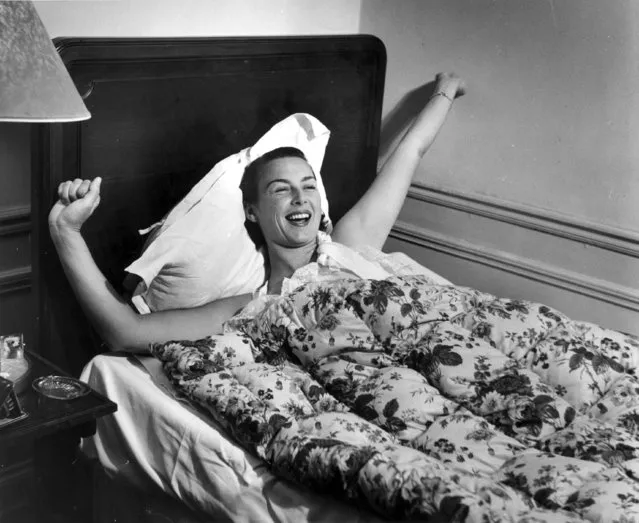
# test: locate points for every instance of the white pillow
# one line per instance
(201, 250)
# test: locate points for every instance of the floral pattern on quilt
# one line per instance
(418, 400)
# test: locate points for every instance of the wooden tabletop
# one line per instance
(46, 415)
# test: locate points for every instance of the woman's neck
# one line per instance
(284, 261)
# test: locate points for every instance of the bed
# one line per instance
(527, 415)
(164, 111)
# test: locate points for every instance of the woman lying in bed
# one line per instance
(409, 398)
(282, 199)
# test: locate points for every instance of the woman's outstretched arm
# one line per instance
(372, 217)
(120, 327)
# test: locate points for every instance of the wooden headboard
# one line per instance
(164, 111)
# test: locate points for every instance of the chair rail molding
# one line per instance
(598, 289)
(14, 220)
(615, 239)
(12, 280)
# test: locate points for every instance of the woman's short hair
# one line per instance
(250, 179)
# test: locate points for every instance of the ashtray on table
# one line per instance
(60, 387)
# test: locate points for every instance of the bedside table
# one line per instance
(37, 453)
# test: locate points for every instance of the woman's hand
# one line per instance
(450, 84)
(77, 200)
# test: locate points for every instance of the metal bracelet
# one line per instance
(442, 93)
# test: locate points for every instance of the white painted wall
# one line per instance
(552, 114)
(550, 122)
(198, 17)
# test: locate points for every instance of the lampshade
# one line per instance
(35, 85)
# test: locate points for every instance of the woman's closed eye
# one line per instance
(283, 189)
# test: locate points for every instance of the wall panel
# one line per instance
(15, 271)
(584, 270)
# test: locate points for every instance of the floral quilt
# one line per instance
(418, 400)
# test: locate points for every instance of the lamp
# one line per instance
(35, 85)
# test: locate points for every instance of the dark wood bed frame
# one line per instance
(164, 111)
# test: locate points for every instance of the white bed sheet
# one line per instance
(154, 438)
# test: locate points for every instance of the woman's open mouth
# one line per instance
(299, 219)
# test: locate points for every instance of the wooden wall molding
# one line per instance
(14, 220)
(606, 237)
(618, 295)
(13, 280)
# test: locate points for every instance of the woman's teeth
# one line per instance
(298, 217)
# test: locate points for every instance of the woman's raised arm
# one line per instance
(372, 217)
(120, 327)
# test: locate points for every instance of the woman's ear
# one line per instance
(249, 212)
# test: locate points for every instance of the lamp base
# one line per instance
(16, 370)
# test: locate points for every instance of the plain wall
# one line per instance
(198, 17)
(552, 112)
(547, 128)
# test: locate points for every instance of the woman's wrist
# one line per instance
(442, 94)
(448, 86)
(63, 234)
(446, 89)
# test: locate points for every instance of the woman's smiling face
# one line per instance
(288, 208)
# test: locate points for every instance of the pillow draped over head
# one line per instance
(201, 250)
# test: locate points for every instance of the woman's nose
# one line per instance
(298, 195)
